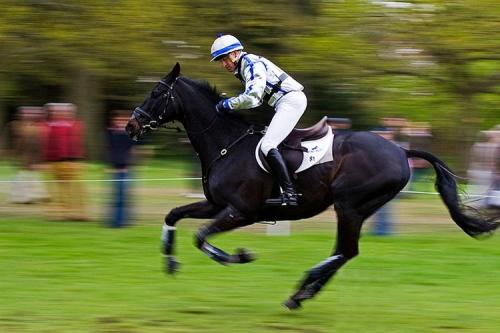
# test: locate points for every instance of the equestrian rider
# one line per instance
(264, 82)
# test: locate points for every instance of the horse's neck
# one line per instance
(209, 133)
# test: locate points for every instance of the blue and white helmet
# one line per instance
(223, 45)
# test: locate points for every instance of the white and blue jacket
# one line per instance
(263, 80)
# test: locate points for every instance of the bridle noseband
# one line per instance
(154, 124)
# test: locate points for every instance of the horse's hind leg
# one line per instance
(349, 226)
(227, 219)
(350, 220)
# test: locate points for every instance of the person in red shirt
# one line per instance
(64, 151)
(27, 134)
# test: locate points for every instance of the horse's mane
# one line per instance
(206, 89)
(214, 95)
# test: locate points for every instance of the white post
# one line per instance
(280, 228)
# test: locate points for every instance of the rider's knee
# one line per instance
(266, 146)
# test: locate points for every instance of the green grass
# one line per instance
(81, 277)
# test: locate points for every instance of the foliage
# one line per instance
(423, 60)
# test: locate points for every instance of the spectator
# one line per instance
(420, 138)
(27, 141)
(494, 190)
(120, 153)
(483, 170)
(397, 126)
(64, 151)
(339, 124)
(382, 219)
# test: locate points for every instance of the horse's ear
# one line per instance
(174, 73)
(176, 70)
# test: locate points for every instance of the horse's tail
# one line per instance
(469, 219)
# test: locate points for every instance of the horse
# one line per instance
(366, 172)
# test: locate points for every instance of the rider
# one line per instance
(264, 82)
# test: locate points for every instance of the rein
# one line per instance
(250, 131)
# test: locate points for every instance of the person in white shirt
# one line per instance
(264, 83)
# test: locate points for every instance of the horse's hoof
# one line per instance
(172, 265)
(292, 304)
(244, 256)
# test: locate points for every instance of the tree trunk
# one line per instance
(3, 119)
(84, 91)
(468, 121)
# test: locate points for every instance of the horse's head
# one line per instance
(157, 109)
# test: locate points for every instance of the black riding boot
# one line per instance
(279, 170)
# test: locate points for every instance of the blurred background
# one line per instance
(425, 74)
(425, 70)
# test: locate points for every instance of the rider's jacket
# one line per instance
(263, 80)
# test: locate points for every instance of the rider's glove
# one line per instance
(222, 107)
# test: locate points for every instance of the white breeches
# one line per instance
(289, 109)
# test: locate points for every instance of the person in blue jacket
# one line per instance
(120, 158)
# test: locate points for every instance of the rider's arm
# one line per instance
(254, 74)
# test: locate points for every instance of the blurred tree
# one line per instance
(79, 47)
(449, 53)
(467, 53)
(423, 60)
(363, 59)
(337, 53)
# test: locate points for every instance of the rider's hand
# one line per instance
(220, 108)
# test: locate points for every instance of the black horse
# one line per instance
(366, 172)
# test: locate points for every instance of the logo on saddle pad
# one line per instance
(303, 148)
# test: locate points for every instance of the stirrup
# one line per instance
(285, 199)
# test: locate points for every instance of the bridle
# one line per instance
(154, 124)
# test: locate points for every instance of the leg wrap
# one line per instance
(168, 239)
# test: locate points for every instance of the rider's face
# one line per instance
(229, 61)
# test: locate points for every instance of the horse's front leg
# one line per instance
(201, 210)
(227, 219)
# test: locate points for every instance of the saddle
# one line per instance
(317, 131)
(303, 147)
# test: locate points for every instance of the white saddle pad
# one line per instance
(318, 151)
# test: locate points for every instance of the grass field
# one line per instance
(80, 277)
